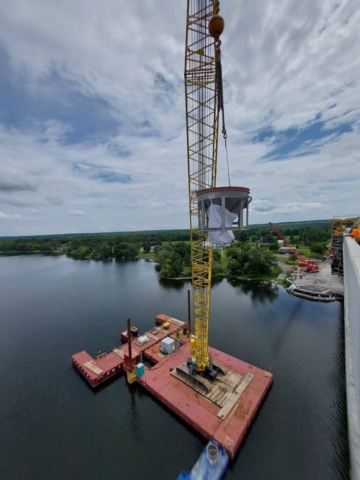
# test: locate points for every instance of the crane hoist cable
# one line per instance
(220, 91)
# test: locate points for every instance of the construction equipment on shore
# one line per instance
(306, 264)
(340, 227)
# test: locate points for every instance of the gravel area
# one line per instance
(321, 281)
(285, 267)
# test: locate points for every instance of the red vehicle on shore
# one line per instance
(307, 264)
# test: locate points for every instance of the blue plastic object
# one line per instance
(184, 476)
(211, 465)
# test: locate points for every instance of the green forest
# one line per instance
(253, 253)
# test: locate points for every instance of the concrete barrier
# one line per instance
(352, 348)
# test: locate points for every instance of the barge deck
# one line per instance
(223, 413)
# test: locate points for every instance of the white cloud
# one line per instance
(7, 216)
(285, 66)
(266, 208)
(313, 205)
(16, 180)
(261, 206)
(24, 201)
(54, 199)
(76, 213)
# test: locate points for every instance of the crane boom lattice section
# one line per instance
(279, 233)
(202, 115)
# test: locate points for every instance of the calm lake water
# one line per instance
(54, 426)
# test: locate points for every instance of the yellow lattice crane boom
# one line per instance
(204, 102)
(202, 117)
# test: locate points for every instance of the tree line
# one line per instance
(95, 246)
(251, 254)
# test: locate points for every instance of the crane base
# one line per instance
(222, 410)
(197, 380)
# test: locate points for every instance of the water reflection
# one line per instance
(122, 261)
(134, 414)
(174, 284)
(260, 291)
(216, 281)
(282, 336)
(100, 388)
(180, 284)
(339, 436)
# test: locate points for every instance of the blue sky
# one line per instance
(92, 112)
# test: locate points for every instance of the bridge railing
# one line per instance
(351, 255)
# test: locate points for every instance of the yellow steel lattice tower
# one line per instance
(202, 116)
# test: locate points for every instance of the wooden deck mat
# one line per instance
(228, 406)
(93, 368)
(222, 388)
(119, 353)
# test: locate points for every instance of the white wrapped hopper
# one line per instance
(222, 210)
(168, 344)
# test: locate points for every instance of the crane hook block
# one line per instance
(216, 26)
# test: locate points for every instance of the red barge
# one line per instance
(100, 369)
(223, 413)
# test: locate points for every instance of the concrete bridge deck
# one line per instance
(352, 348)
